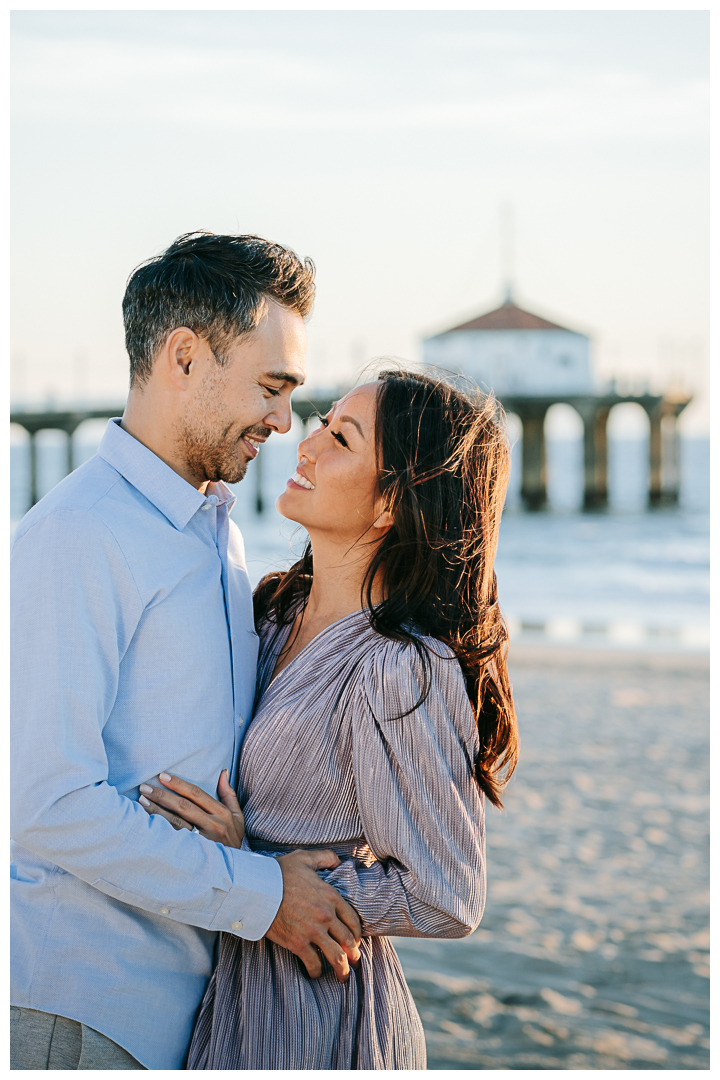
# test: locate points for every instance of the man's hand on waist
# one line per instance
(313, 917)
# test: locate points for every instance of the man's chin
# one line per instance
(233, 467)
(235, 474)
(230, 472)
(214, 460)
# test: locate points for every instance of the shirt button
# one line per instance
(240, 721)
(164, 910)
(236, 925)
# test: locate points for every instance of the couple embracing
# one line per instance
(224, 804)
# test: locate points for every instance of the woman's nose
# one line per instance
(303, 451)
(308, 447)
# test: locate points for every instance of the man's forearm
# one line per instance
(110, 842)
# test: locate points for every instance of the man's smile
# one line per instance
(252, 442)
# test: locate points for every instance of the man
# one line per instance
(134, 652)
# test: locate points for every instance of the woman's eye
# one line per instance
(335, 434)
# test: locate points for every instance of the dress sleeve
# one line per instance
(421, 808)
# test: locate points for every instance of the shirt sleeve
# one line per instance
(421, 809)
(74, 609)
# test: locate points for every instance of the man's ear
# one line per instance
(179, 354)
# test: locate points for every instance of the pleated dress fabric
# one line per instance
(329, 761)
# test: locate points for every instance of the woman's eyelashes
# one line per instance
(335, 434)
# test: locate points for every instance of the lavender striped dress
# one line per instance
(324, 764)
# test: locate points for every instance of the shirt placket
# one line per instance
(221, 534)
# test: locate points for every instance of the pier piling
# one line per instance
(534, 479)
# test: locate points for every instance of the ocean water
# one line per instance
(593, 950)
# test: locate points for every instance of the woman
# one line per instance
(384, 717)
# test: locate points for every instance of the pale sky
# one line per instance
(382, 144)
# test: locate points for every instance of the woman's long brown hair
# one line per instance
(443, 467)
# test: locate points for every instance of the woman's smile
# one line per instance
(300, 481)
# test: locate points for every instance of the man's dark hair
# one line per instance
(215, 285)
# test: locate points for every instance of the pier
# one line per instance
(594, 410)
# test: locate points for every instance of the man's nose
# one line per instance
(280, 419)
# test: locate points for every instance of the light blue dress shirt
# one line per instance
(133, 652)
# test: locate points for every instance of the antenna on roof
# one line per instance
(507, 242)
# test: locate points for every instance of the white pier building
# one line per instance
(512, 351)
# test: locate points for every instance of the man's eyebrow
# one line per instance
(284, 376)
(352, 420)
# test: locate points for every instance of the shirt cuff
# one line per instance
(252, 903)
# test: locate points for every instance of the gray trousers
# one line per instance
(40, 1040)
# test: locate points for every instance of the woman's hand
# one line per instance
(187, 806)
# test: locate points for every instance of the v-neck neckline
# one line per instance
(282, 639)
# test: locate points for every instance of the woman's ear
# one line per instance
(384, 520)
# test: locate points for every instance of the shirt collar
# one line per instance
(218, 492)
(174, 497)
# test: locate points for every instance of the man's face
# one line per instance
(237, 406)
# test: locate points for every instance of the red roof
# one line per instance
(508, 317)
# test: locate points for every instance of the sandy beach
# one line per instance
(593, 951)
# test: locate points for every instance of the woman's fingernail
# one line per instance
(144, 801)
(146, 789)
(164, 776)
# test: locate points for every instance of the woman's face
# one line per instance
(334, 489)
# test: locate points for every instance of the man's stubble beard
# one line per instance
(210, 443)
(212, 452)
